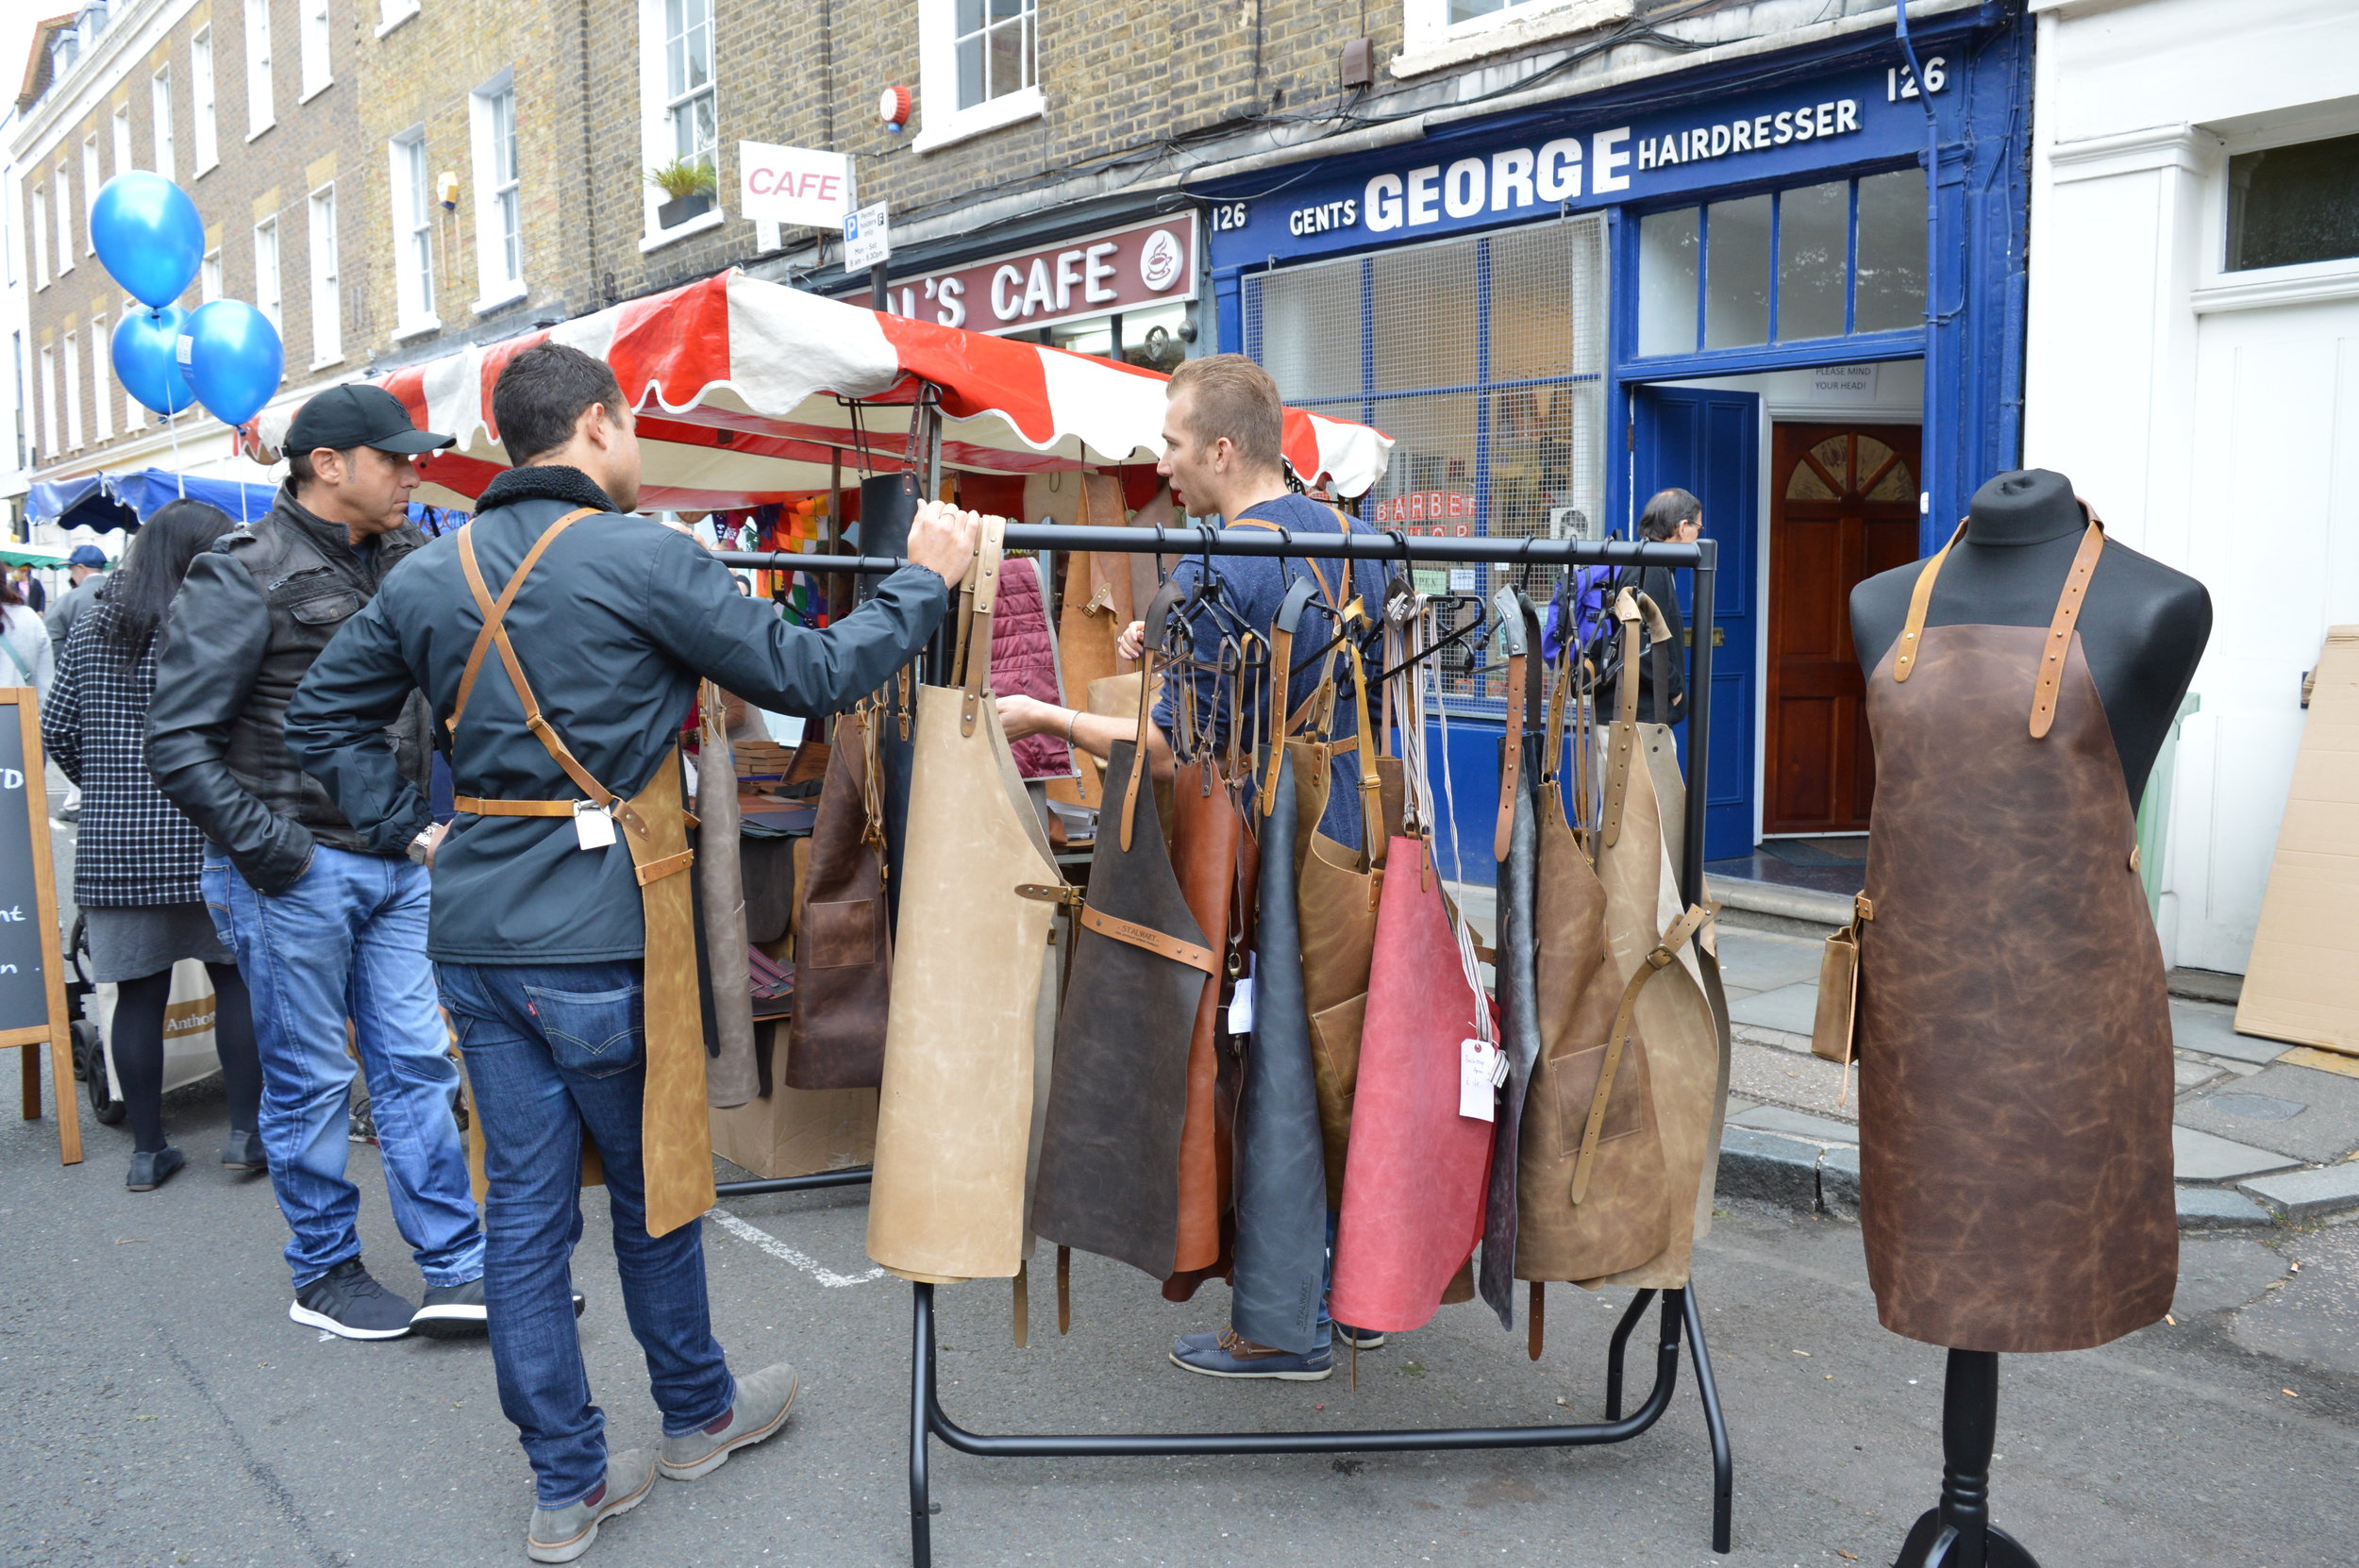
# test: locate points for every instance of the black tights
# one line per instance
(138, 1044)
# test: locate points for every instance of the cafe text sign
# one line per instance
(1123, 269)
(794, 185)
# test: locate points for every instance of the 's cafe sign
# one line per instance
(1123, 269)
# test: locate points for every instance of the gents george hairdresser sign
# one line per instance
(1442, 186)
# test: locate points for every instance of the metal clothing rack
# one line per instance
(1679, 1313)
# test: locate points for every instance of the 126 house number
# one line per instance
(1227, 217)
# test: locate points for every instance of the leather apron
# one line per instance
(844, 945)
(1686, 1032)
(2014, 1109)
(955, 1114)
(1118, 1096)
(733, 1076)
(1591, 1193)
(675, 1138)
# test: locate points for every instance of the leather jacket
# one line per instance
(253, 614)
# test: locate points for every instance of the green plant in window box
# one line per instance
(690, 183)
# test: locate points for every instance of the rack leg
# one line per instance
(1958, 1533)
(1621, 1342)
(1715, 1422)
(921, 1412)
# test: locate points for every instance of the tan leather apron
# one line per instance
(1591, 1196)
(2015, 1022)
(675, 1139)
(955, 1112)
(1646, 929)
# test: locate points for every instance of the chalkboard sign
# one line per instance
(32, 979)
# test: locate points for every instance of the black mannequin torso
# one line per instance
(2142, 628)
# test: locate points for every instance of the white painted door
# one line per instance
(2275, 535)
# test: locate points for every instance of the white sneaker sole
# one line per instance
(311, 1319)
(450, 1323)
(1320, 1377)
(719, 1457)
(565, 1551)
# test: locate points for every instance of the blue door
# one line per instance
(1709, 442)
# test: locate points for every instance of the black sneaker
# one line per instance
(1357, 1339)
(451, 1311)
(346, 1302)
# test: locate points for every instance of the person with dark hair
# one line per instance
(136, 861)
(29, 590)
(1669, 517)
(564, 752)
(326, 922)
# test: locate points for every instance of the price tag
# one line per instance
(1479, 1069)
(592, 827)
(1241, 1007)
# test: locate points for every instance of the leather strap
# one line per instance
(483, 805)
(1148, 938)
(1507, 606)
(1920, 599)
(2060, 627)
(1630, 609)
(495, 614)
(655, 871)
(1372, 835)
(1666, 954)
(1282, 655)
(983, 582)
(1158, 614)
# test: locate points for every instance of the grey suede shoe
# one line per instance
(762, 1402)
(560, 1535)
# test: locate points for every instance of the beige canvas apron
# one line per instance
(955, 1115)
(1686, 1047)
(676, 1146)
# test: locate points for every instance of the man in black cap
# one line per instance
(325, 927)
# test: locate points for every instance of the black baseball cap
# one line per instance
(359, 415)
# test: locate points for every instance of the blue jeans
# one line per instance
(348, 940)
(553, 1049)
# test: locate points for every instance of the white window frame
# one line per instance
(413, 203)
(261, 108)
(102, 404)
(946, 123)
(72, 357)
(392, 14)
(134, 413)
(1429, 39)
(124, 157)
(658, 140)
(270, 288)
(208, 279)
(204, 104)
(497, 203)
(49, 446)
(63, 185)
(162, 139)
(41, 236)
(327, 294)
(317, 29)
(92, 184)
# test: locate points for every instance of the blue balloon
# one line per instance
(147, 358)
(147, 233)
(234, 359)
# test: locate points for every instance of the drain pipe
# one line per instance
(1932, 227)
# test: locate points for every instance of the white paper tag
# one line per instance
(1241, 1007)
(1478, 1065)
(593, 827)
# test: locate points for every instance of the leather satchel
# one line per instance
(1831, 1032)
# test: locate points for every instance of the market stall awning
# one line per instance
(746, 391)
(128, 498)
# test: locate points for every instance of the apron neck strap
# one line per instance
(1158, 616)
(496, 613)
(982, 588)
(2060, 627)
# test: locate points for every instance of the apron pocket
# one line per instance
(595, 1033)
(839, 935)
(1574, 1076)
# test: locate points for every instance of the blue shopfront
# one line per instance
(1791, 284)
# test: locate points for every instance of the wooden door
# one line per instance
(1843, 507)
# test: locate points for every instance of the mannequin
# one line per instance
(2141, 630)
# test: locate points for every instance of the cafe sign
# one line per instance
(1124, 269)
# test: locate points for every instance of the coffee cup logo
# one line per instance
(1160, 261)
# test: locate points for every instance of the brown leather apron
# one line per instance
(2015, 1048)
(675, 1139)
(955, 1115)
(1591, 1193)
(1687, 1045)
(844, 937)
(1118, 1096)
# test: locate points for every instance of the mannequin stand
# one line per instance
(1958, 1533)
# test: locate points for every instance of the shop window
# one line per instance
(1484, 358)
(1816, 261)
(2291, 205)
(980, 67)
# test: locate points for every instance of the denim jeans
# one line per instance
(348, 940)
(553, 1049)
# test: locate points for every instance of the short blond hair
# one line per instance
(1232, 397)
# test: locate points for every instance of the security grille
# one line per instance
(1483, 359)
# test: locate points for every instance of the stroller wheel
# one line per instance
(103, 1106)
(86, 1046)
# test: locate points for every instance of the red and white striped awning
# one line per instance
(747, 389)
